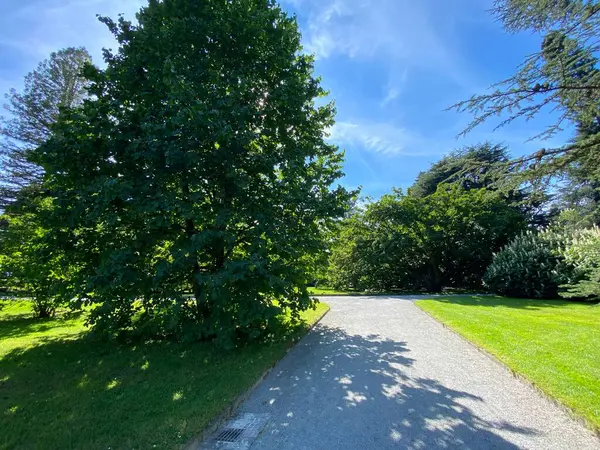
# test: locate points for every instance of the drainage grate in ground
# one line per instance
(237, 434)
(230, 435)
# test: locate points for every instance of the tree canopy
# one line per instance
(470, 168)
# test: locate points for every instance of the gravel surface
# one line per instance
(378, 373)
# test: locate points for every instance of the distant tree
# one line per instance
(56, 83)
(561, 76)
(484, 166)
(580, 193)
(200, 164)
(470, 168)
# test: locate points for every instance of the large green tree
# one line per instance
(566, 58)
(56, 83)
(200, 164)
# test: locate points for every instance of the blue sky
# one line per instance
(392, 67)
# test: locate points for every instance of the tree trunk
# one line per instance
(434, 280)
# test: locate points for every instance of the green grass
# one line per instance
(61, 390)
(329, 291)
(554, 344)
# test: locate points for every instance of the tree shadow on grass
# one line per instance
(81, 394)
(337, 390)
(21, 325)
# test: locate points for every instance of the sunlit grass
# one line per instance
(554, 344)
(329, 291)
(60, 390)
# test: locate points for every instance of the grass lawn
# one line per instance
(555, 344)
(329, 291)
(60, 390)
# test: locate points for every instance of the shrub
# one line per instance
(583, 253)
(530, 266)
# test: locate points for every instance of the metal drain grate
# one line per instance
(230, 434)
(239, 433)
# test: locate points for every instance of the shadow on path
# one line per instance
(337, 390)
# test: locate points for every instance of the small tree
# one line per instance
(199, 165)
(33, 268)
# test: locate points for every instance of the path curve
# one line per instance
(378, 373)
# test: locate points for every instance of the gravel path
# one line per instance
(378, 373)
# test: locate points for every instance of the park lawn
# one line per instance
(61, 390)
(554, 344)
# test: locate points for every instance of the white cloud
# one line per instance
(383, 138)
(396, 83)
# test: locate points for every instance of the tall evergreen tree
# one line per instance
(199, 164)
(484, 166)
(56, 83)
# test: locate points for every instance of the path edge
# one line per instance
(230, 409)
(519, 376)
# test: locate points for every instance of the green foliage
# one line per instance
(31, 267)
(581, 192)
(583, 253)
(199, 165)
(56, 83)
(530, 266)
(406, 242)
(483, 166)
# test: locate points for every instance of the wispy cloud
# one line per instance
(413, 34)
(392, 94)
(383, 138)
(396, 84)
